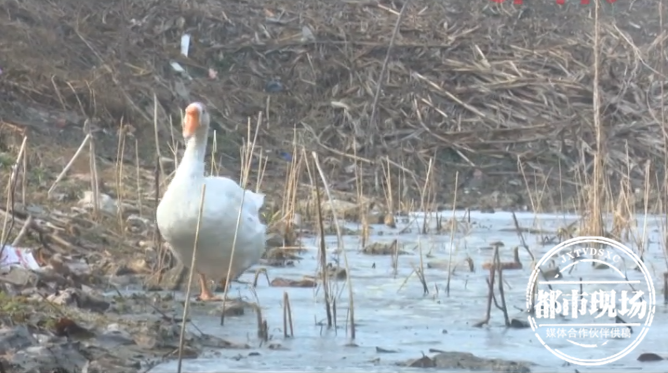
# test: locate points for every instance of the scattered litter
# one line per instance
(179, 69)
(18, 257)
(285, 155)
(185, 44)
(274, 87)
(307, 34)
(105, 202)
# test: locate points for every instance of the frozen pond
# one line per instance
(393, 314)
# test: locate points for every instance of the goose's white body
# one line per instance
(178, 211)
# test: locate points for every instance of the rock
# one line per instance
(111, 364)
(383, 248)
(649, 356)
(19, 276)
(470, 362)
(72, 296)
(464, 361)
(105, 203)
(423, 362)
(63, 357)
(286, 282)
(16, 338)
(114, 337)
(138, 224)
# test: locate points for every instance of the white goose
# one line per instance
(179, 208)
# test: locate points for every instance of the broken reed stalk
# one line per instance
(94, 182)
(389, 194)
(262, 326)
(431, 193)
(490, 291)
(665, 287)
(383, 69)
(452, 235)
(642, 242)
(340, 247)
(596, 201)
(287, 316)
(190, 279)
(290, 193)
(24, 181)
(423, 193)
(362, 207)
(257, 276)
(499, 269)
(69, 164)
(245, 170)
(261, 169)
(421, 274)
(523, 242)
(156, 134)
(395, 257)
(8, 223)
(323, 255)
(157, 238)
(214, 150)
(173, 146)
(120, 155)
(140, 205)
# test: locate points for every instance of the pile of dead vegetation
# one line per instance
(481, 81)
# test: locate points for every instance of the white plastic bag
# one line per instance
(17, 257)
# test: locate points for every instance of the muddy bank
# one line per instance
(48, 326)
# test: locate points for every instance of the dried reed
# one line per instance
(245, 170)
(190, 280)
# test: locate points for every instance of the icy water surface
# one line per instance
(393, 314)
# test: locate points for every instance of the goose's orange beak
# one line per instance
(191, 121)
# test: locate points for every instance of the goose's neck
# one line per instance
(192, 163)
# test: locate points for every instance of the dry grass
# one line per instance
(444, 106)
(446, 88)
